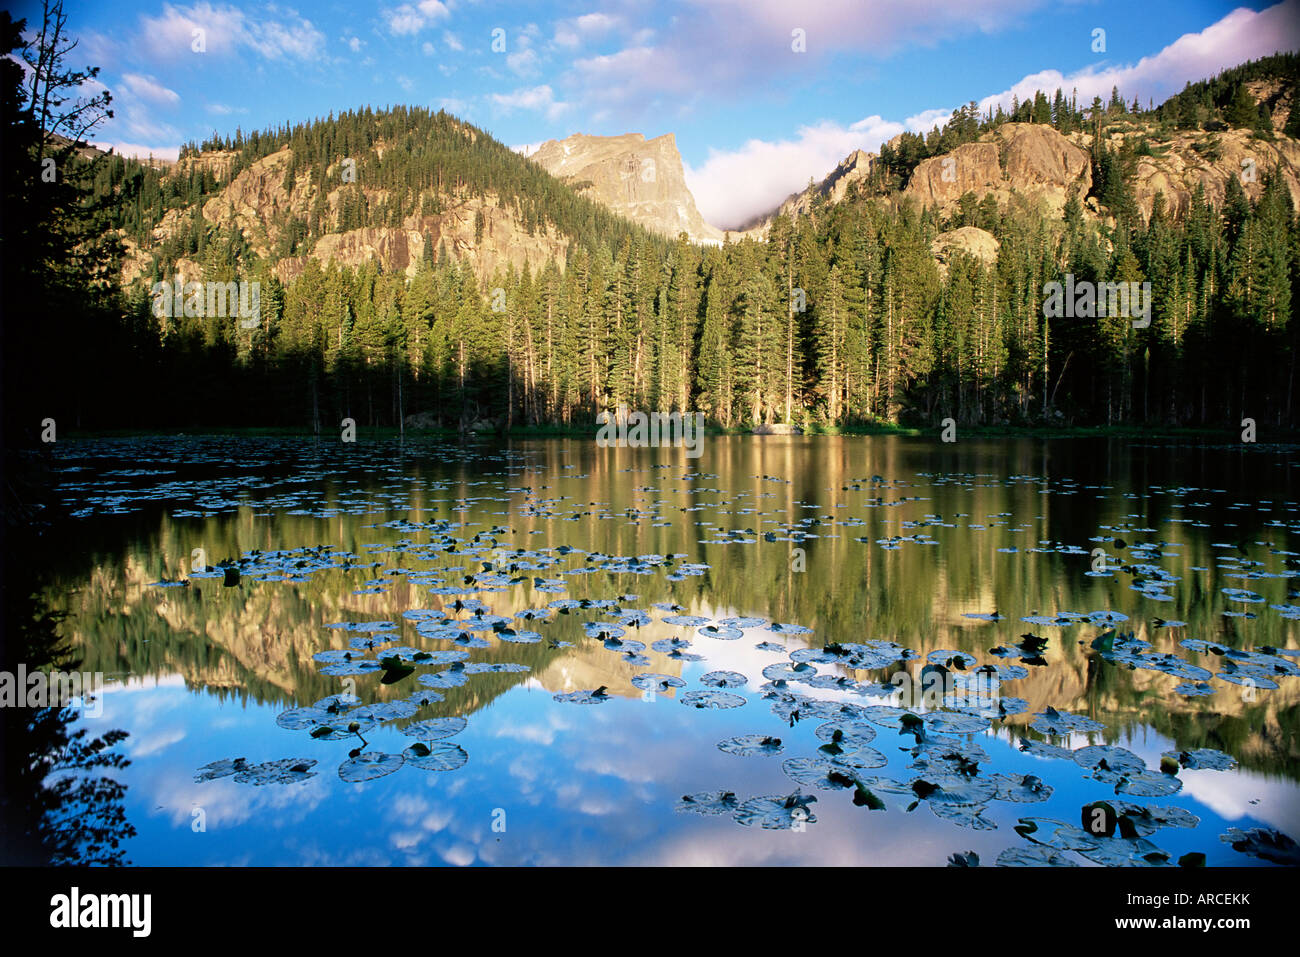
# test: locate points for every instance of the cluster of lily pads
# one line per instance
(944, 768)
(343, 717)
(945, 760)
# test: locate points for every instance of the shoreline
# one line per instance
(558, 431)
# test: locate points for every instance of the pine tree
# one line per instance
(1242, 110)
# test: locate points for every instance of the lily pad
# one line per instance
(590, 696)
(1264, 843)
(952, 659)
(1057, 834)
(887, 716)
(685, 621)
(1109, 763)
(1149, 784)
(711, 699)
(709, 803)
(220, 769)
(1197, 759)
(971, 816)
(724, 679)
(1055, 722)
(953, 789)
(299, 719)
(445, 679)
(746, 745)
(440, 757)
(368, 766)
(383, 711)
(362, 666)
(1041, 749)
(776, 812)
(1035, 855)
(1021, 788)
(1148, 818)
(649, 681)
(435, 729)
(1125, 852)
(743, 622)
(284, 771)
(956, 722)
(847, 734)
(721, 632)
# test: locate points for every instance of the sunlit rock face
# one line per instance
(1024, 157)
(972, 240)
(635, 177)
(482, 232)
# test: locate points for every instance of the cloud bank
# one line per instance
(734, 186)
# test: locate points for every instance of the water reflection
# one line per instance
(939, 549)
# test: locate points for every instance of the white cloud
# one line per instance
(595, 22)
(408, 19)
(732, 186)
(523, 62)
(927, 120)
(274, 39)
(733, 47)
(171, 34)
(132, 118)
(148, 88)
(403, 20)
(452, 41)
(140, 151)
(354, 44)
(1241, 35)
(225, 28)
(574, 32)
(539, 99)
(427, 48)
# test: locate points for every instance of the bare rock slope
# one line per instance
(259, 203)
(1026, 157)
(635, 177)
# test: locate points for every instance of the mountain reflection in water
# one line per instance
(917, 558)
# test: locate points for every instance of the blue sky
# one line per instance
(754, 117)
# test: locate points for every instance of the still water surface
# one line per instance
(898, 552)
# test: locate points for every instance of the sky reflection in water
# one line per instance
(211, 667)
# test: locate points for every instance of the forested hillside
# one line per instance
(843, 316)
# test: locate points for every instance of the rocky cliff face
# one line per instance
(644, 181)
(1025, 157)
(1209, 160)
(635, 177)
(1037, 161)
(259, 204)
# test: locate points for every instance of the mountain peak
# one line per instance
(642, 179)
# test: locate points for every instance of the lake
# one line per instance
(790, 650)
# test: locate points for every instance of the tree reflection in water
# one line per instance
(56, 805)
